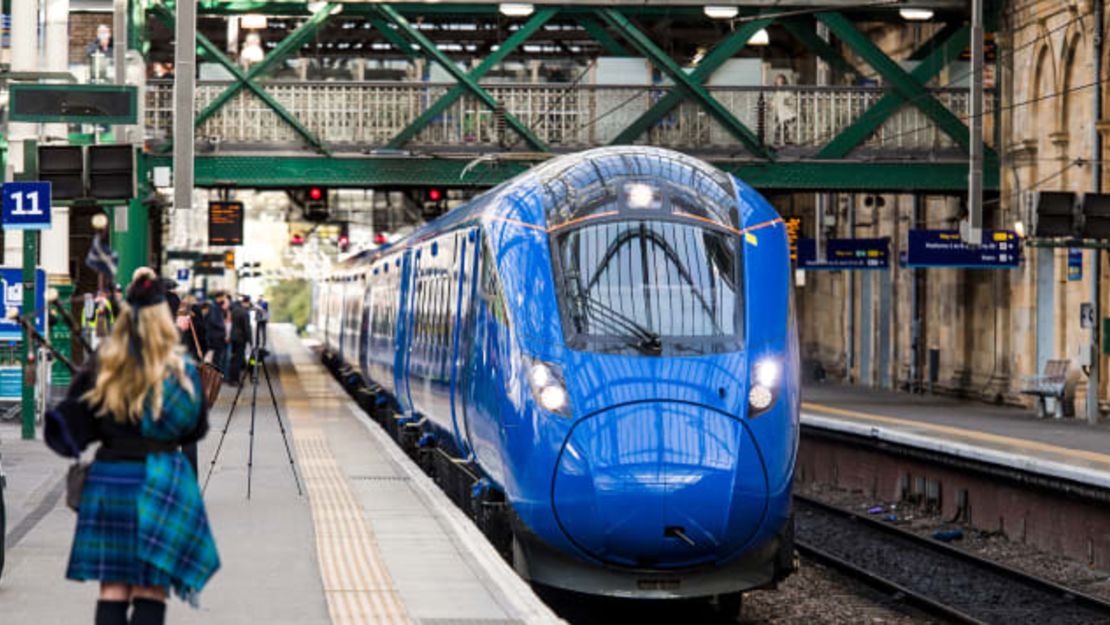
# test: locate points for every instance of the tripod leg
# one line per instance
(254, 408)
(281, 427)
(223, 435)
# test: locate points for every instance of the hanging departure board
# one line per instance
(225, 223)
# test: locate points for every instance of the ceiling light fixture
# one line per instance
(720, 12)
(516, 9)
(916, 15)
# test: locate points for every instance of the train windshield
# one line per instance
(649, 273)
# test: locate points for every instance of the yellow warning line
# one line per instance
(357, 586)
(985, 437)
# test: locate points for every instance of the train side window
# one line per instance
(491, 285)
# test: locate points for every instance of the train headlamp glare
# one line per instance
(548, 389)
(767, 372)
(553, 398)
(760, 398)
(640, 195)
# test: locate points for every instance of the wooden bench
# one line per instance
(1055, 383)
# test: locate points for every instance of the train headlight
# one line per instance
(548, 389)
(766, 375)
(553, 398)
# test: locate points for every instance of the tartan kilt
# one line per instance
(106, 543)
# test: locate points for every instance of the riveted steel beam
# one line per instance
(608, 43)
(392, 36)
(287, 46)
(244, 80)
(910, 88)
(805, 31)
(535, 23)
(430, 49)
(277, 172)
(723, 51)
(658, 58)
(872, 118)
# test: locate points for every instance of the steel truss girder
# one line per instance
(535, 23)
(288, 45)
(246, 79)
(658, 58)
(429, 48)
(909, 88)
(723, 51)
(277, 172)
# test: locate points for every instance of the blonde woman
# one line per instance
(142, 530)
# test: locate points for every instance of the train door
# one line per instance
(466, 268)
(403, 347)
(363, 347)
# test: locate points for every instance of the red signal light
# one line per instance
(435, 195)
(296, 239)
(379, 239)
(315, 194)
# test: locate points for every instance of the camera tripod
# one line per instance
(256, 362)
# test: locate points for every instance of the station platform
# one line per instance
(1069, 449)
(372, 540)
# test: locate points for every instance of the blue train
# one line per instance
(608, 340)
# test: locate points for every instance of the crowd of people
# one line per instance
(218, 330)
(142, 531)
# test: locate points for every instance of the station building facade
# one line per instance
(976, 333)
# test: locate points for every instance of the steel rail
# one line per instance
(1064, 593)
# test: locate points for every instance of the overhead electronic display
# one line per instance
(225, 223)
(99, 104)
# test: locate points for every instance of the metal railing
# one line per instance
(366, 115)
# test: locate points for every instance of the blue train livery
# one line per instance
(608, 343)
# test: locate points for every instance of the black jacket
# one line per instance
(240, 325)
(214, 331)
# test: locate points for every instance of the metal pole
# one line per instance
(850, 276)
(973, 227)
(119, 40)
(184, 89)
(1093, 381)
(30, 259)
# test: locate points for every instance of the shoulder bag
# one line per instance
(210, 376)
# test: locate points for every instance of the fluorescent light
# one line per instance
(516, 9)
(1019, 229)
(252, 21)
(720, 12)
(760, 38)
(916, 15)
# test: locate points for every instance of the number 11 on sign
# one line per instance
(26, 205)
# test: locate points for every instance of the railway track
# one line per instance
(944, 581)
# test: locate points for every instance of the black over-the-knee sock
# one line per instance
(111, 612)
(148, 612)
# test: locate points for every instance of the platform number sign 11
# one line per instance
(26, 205)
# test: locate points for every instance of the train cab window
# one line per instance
(651, 283)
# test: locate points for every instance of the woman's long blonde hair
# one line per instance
(125, 384)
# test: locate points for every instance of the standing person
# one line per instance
(240, 337)
(216, 333)
(142, 530)
(262, 318)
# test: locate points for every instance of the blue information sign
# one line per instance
(183, 275)
(11, 283)
(26, 205)
(845, 254)
(11, 382)
(1075, 265)
(1001, 249)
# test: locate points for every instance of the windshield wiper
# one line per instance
(648, 342)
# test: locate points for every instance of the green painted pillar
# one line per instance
(61, 337)
(130, 238)
(30, 259)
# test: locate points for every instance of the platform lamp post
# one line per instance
(1093, 381)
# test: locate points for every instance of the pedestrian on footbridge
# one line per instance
(142, 530)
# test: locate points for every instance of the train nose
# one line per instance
(660, 484)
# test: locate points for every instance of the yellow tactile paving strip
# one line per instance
(998, 441)
(357, 586)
